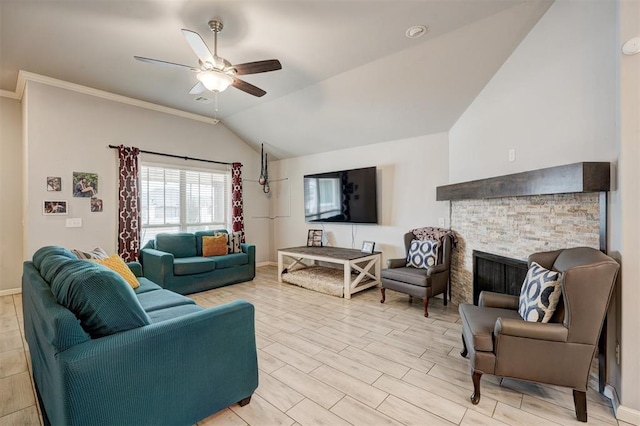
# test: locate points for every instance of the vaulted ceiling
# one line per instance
(349, 77)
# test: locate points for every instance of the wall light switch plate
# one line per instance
(512, 155)
(74, 222)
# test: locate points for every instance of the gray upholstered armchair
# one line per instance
(418, 282)
(499, 342)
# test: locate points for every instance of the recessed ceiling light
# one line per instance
(416, 31)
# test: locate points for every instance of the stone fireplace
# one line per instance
(523, 213)
(515, 227)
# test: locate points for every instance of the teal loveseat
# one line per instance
(175, 262)
(105, 354)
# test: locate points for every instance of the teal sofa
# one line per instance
(105, 354)
(175, 262)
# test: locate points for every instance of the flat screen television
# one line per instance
(346, 196)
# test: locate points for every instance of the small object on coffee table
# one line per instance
(314, 238)
(367, 246)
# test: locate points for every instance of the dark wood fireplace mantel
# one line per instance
(569, 178)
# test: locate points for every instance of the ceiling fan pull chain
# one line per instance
(261, 179)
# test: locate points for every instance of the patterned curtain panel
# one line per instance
(129, 201)
(237, 214)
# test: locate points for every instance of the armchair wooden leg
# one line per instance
(382, 289)
(464, 350)
(475, 396)
(244, 401)
(426, 307)
(580, 402)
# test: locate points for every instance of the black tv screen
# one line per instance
(348, 196)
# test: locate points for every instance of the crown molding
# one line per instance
(24, 76)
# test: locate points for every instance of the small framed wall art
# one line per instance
(54, 183)
(367, 246)
(85, 184)
(54, 208)
(314, 238)
(96, 204)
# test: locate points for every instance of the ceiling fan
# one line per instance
(215, 73)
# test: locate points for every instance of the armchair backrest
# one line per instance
(588, 277)
(444, 254)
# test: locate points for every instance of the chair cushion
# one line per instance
(193, 265)
(539, 294)
(231, 260)
(182, 244)
(478, 324)
(409, 275)
(161, 299)
(423, 254)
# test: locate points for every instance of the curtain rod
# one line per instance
(178, 156)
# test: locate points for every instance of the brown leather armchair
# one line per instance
(499, 342)
(418, 282)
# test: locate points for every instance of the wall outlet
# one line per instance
(74, 222)
(441, 222)
(512, 154)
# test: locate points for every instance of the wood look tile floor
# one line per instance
(324, 360)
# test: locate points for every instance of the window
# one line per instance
(177, 200)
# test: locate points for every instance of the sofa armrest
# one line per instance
(157, 266)
(489, 299)
(196, 364)
(136, 268)
(531, 330)
(396, 263)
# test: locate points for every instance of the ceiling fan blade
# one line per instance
(247, 87)
(197, 89)
(258, 66)
(165, 63)
(198, 45)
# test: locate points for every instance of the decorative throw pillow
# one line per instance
(233, 242)
(214, 246)
(96, 253)
(423, 254)
(115, 263)
(540, 294)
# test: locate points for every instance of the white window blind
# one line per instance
(175, 200)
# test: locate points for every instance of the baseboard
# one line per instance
(623, 413)
(10, 292)
(267, 263)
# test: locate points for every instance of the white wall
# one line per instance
(553, 100)
(67, 131)
(10, 193)
(629, 209)
(408, 172)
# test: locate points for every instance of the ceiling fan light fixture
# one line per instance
(215, 80)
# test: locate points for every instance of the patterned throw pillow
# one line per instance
(423, 254)
(233, 242)
(96, 253)
(540, 294)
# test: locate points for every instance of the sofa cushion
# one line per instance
(182, 244)
(116, 264)
(410, 275)
(172, 312)
(478, 324)
(539, 294)
(161, 299)
(146, 285)
(200, 234)
(193, 265)
(99, 297)
(45, 252)
(231, 260)
(215, 245)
